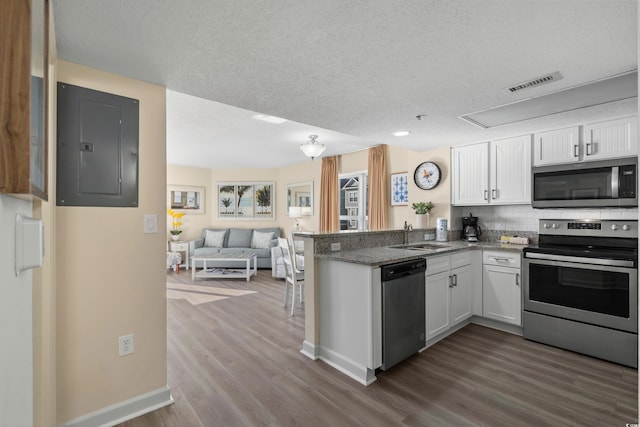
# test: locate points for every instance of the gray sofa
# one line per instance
(235, 240)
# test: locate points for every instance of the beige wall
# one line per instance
(110, 276)
(209, 179)
(301, 172)
(398, 160)
(242, 175)
(199, 177)
(441, 194)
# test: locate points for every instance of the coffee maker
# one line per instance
(470, 228)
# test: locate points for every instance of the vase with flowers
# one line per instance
(175, 223)
(423, 210)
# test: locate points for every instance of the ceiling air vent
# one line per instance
(616, 88)
(553, 77)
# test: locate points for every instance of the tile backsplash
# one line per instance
(522, 220)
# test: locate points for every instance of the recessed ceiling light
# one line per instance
(401, 133)
(270, 119)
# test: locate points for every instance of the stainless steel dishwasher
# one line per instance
(403, 310)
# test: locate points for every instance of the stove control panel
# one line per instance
(584, 226)
(589, 227)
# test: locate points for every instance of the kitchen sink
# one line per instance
(421, 246)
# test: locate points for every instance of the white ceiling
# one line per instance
(352, 72)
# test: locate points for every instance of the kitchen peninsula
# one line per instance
(343, 323)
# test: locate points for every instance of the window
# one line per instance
(353, 195)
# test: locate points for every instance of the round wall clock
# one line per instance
(427, 175)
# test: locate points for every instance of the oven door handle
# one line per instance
(567, 258)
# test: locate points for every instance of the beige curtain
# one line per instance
(378, 193)
(329, 218)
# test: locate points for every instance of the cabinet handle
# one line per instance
(451, 281)
(576, 151)
(517, 279)
(494, 194)
(589, 150)
(486, 194)
(501, 259)
(455, 280)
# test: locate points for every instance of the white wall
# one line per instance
(16, 351)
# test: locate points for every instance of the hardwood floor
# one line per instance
(234, 360)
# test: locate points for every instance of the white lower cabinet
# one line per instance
(502, 287)
(448, 292)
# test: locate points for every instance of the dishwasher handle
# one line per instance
(403, 269)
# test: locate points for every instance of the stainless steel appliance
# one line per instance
(470, 228)
(586, 184)
(581, 288)
(403, 310)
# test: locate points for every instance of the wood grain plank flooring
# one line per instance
(234, 360)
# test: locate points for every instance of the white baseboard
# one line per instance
(353, 370)
(125, 410)
(310, 350)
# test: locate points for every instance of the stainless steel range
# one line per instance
(581, 288)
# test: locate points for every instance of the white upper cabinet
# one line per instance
(602, 140)
(470, 178)
(610, 139)
(511, 170)
(556, 146)
(496, 172)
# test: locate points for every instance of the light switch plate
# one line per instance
(150, 223)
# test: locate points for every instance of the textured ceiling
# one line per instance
(363, 69)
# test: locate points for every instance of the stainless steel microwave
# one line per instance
(587, 184)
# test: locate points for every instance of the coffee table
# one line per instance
(250, 258)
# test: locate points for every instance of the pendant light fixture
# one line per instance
(311, 148)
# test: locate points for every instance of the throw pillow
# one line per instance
(214, 239)
(261, 240)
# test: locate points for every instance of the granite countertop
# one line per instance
(389, 254)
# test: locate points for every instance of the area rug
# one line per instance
(202, 294)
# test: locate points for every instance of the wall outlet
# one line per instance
(335, 247)
(125, 345)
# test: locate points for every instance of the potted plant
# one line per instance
(175, 223)
(422, 210)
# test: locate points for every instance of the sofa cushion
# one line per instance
(214, 239)
(226, 236)
(261, 253)
(274, 230)
(239, 238)
(205, 251)
(234, 250)
(260, 240)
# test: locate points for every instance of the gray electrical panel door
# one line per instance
(97, 156)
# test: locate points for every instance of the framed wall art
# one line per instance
(399, 189)
(246, 200)
(188, 199)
